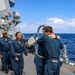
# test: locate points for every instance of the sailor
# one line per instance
(5, 51)
(25, 42)
(17, 50)
(23, 38)
(51, 47)
(1, 48)
(39, 59)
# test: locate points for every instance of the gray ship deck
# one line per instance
(29, 68)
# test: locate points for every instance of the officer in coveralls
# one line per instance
(51, 47)
(5, 52)
(39, 59)
(25, 41)
(17, 50)
(23, 38)
(1, 44)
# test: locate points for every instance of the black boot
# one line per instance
(2, 69)
(11, 69)
(6, 71)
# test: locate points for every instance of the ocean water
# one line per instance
(67, 39)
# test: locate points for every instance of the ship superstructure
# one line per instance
(8, 20)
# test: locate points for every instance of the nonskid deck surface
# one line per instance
(29, 68)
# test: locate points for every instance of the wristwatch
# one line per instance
(56, 37)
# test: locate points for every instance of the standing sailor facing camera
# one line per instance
(17, 50)
(5, 52)
(39, 59)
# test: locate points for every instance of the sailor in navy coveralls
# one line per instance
(40, 59)
(17, 50)
(51, 47)
(5, 52)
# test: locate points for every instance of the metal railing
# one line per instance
(65, 57)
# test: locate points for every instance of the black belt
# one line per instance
(54, 58)
(40, 56)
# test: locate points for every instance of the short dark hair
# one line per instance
(17, 33)
(48, 29)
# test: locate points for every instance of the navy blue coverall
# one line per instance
(17, 50)
(1, 46)
(39, 62)
(5, 51)
(23, 39)
(51, 49)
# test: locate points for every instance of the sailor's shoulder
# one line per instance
(13, 41)
(1, 37)
(42, 37)
(45, 37)
(23, 39)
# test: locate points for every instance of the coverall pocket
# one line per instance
(52, 65)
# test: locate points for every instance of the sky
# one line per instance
(60, 14)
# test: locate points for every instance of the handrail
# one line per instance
(66, 57)
(39, 29)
